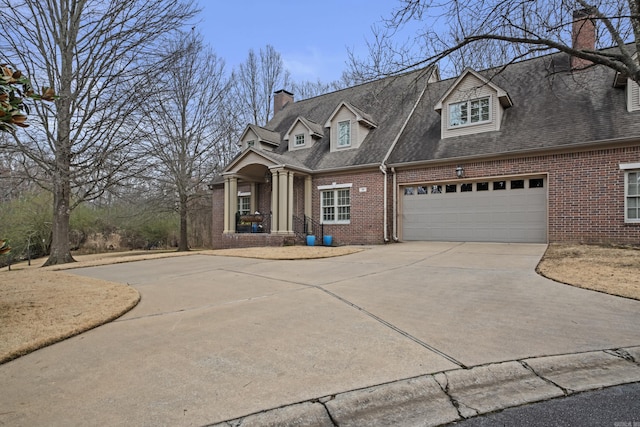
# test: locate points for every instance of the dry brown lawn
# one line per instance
(40, 306)
(613, 270)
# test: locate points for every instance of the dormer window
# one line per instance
(469, 112)
(299, 139)
(344, 133)
(472, 104)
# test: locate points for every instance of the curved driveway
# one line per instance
(216, 338)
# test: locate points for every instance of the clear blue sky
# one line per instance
(311, 36)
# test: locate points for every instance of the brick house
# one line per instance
(545, 150)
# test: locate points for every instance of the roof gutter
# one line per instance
(578, 146)
(383, 169)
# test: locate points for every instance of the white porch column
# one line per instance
(308, 200)
(274, 201)
(226, 206)
(290, 203)
(283, 193)
(233, 203)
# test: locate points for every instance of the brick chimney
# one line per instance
(583, 36)
(280, 100)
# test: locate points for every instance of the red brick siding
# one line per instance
(367, 210)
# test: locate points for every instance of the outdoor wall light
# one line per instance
(459, 171)
(267, 177)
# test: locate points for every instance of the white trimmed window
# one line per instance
(335, 206)
(470, 112)
(244, 205)
(344, 133)
(299, 139)
(251, 143)
(632, 196)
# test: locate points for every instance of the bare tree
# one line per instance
(309, 89)
(385, 56)
(256, 81)
(95, 55)
(186, 122)
(480, 33)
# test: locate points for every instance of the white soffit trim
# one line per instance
(333, 186)
(625, 166)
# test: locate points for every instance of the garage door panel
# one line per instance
(518, 215)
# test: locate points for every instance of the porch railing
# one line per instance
(253, 223)
(305, 226)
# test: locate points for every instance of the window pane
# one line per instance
(519, 183)
(482, 186)
(536, 183)
(450, 188)
(344, 213)
(480, 110)
(422, 190)
(484, 109)
(466, 187)
(634, 184)
(499, 185)
(328, 213)
(458, 114)
(343, 198)
(408, 191)
(344, 133)
(436, 189)
(632, 213)
(632, 202)
(300, 139)
(244, 205)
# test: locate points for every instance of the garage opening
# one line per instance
(498, 210)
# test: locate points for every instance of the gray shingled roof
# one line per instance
(551, 108)
(266, 135)
(388, 101)
(315, 128)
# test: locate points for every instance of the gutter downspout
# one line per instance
(383, 169)
(395, 206)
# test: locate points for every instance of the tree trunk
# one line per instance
(60, 250)
(183, 244)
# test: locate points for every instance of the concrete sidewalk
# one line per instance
(404, 334)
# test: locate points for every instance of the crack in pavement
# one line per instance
(373, 316)
(380, 320)
(565, 391)
(445, 390)
(623, 354)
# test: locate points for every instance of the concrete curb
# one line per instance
(444, 397)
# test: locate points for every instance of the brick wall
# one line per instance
(367, 209)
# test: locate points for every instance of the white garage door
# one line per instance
(513, 210)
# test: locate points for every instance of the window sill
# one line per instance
(468, 125)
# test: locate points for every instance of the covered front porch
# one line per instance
(266, 203)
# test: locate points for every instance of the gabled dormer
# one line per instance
(259, 137)
(348, 127)
(473, 104)
(303, 133)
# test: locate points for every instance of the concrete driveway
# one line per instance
(216, 338)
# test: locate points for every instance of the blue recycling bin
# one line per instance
(311, 240)
(327, 240)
